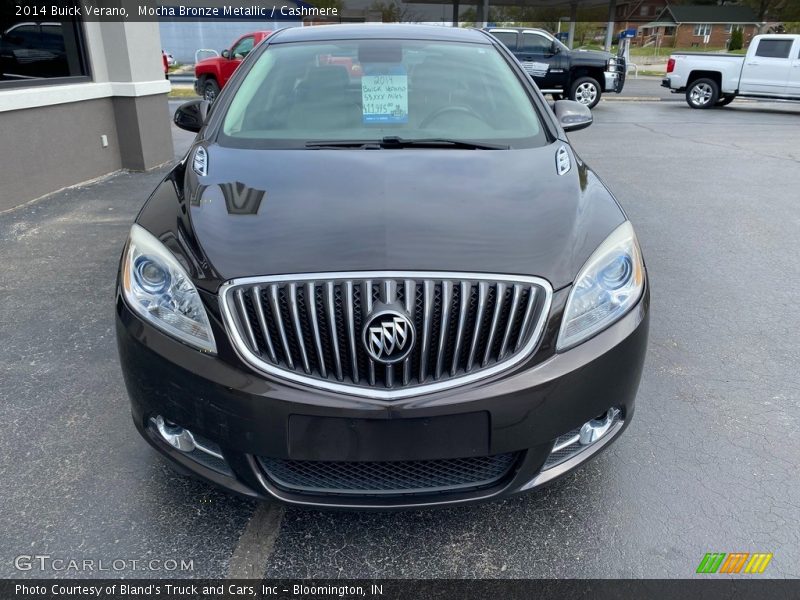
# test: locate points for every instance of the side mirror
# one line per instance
(191, 116)
(226, 54)
(572, 115)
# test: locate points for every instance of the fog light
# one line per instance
(580, 439)
(175, 435)
(593, 430)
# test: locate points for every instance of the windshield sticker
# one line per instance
(384, 94)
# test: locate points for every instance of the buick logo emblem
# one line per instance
(388, 336)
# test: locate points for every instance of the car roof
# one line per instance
(515, 29)
(357, 31)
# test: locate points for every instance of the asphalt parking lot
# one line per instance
(709, 463)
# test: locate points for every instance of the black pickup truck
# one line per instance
(581, 75)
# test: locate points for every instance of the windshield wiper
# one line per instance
(335, 144)
(398, 142)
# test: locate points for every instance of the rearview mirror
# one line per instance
(572, 115)
(191, 116)
(226, 54)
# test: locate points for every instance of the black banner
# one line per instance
(397, 589)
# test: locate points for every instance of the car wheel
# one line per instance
(210, 90)
(585, 90)
(725, 100)
(702, 93)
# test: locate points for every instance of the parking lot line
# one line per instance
(249, 559)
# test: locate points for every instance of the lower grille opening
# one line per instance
(386, 478)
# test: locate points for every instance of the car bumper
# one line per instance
(614, 81)
(249, 420)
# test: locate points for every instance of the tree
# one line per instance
(393, 12)
(737, 40)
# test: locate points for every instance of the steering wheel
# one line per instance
(455, 108)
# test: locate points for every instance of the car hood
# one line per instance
(593, 56)
(266, 212)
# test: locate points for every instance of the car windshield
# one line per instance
(307, 94)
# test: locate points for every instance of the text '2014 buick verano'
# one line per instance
(381, 278)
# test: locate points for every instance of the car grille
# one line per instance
(309, 328)
(388, 478)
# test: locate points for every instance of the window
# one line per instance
(507, 38)
(536, 44)
(370, 89)
(730, 28)
(669, 31)
(644, 11)
(243, 47)
(774, 48)
(33, 50)
(702, 29)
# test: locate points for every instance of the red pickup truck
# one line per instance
(213, 73)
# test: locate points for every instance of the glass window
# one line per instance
(702, 29)
(243, 47)
(32, 49)
(371, 89)
(508, 38)
(774, 48)
(730, 28)
(536, 43)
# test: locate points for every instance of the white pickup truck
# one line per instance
(770, 69)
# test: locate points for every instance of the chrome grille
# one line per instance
(388, 478)
(308, 328)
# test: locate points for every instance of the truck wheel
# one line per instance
(585, 90)
(725, 100)
(210, 89)
(702, 93)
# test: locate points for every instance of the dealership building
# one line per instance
(78, 100)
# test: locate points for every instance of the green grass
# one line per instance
(182, 92)
(647, 73)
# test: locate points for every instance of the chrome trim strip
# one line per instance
(569, 464)
(276, 313)
(566, 443)
(483, 294)
(255, 294)
(311, 311)
(499, 302)
(294, 312)
(427, 326)
(512, 318)
(330, 316)
(256, 363)
(466, 292)
(526, 321)
(447, 294)
(349, 323)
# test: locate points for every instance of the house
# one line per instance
(691, 26)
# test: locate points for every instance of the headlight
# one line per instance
(607, 287)
(159, 290)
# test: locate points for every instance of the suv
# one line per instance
(213, 73)
(581, 75)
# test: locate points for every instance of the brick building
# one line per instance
(699, 26)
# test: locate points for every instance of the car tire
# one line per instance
(725, 100)
(210, 89)
(585, 90)
(702, 93)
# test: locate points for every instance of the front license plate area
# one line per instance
(341, 439)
